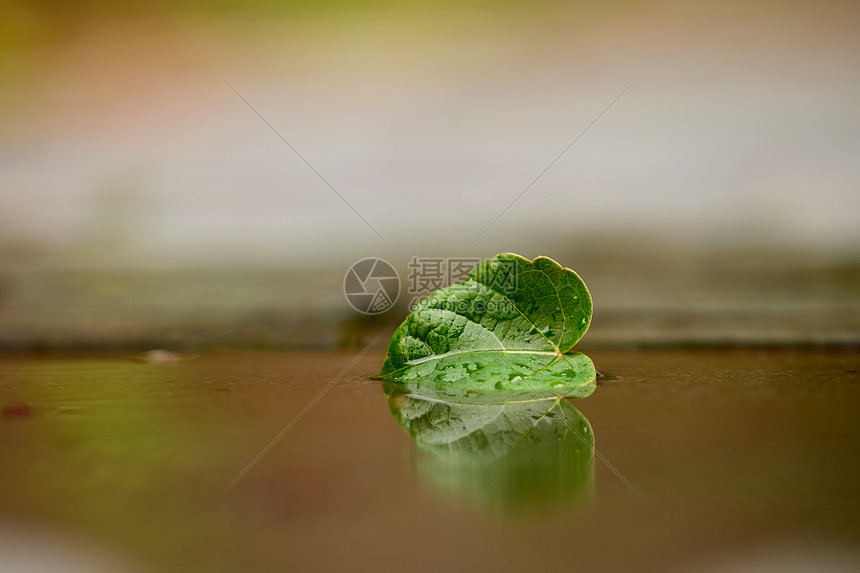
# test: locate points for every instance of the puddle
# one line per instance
(713, 454)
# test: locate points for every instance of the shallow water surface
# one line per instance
(702, 460)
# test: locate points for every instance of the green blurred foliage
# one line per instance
(26, 24)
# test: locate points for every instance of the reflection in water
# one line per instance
(510, 455)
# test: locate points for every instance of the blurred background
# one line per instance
(198, 176)
(144, 203)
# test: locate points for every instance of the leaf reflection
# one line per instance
(508, 454)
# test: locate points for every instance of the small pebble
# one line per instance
(161, 356)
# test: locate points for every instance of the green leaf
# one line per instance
(499, 377)
(505, 328)
(506, 453)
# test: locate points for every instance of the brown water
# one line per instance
(723, 459)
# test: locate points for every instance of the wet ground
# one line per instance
(706, 460)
